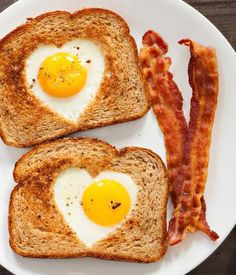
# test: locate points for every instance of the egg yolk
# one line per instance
(106, 202)
(62, 75)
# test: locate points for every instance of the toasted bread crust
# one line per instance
(20, 123)
(117, 161)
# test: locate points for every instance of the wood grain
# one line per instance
(223, 15)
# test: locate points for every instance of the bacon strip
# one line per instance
(167, 102)
(187, 149)
(189, 214)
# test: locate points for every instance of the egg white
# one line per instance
(68, 191)
(68, 107)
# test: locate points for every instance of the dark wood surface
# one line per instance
(223, 15)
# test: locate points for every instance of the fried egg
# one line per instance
(66, 79)
(94, 207)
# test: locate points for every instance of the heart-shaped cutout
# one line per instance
(68, 190)
(93, 61)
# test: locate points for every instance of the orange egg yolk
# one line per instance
(62, 75)
(106, 202)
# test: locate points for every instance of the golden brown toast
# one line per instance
(38, 229)
(123, 96)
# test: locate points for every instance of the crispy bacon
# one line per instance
(167, 101)
(187, 149)
(189, 214)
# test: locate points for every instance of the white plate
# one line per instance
(174, 20)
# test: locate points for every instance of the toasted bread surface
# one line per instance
(123, 95)
(37, 228)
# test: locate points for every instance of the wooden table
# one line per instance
(223, 15)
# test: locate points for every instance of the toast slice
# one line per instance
(26, 120)
(37, 227)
